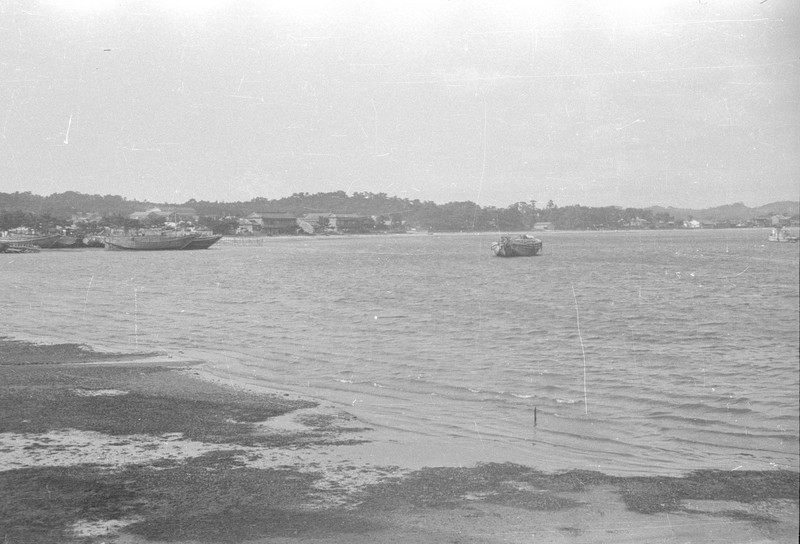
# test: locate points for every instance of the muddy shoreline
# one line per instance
(130, 448)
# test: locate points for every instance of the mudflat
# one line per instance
(134, 448)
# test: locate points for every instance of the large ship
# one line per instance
(157, 242)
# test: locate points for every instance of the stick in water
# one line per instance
(583, 351)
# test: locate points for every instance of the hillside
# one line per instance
(732, 212)
(42, 213)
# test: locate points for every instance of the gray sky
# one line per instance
(689, 103)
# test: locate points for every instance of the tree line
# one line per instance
(44, 213)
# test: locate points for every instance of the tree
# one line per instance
(396, 221)
(381, 222)
(154, 220)
(227, 225)
(13, 219)
(664, 218)
(46, 222)
(118, 221)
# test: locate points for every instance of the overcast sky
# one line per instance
(688, 103)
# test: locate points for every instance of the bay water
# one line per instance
(626, 352)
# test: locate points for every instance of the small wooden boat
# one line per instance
(31, 240)
(158, 242)
(93, 241)
(204, 241)
(18, 248)
(781, 235)
(521, 246)
(67, 242)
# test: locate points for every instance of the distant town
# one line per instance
(359, 213)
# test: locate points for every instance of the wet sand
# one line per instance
(102, 447)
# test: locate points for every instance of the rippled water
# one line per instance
(639, 351)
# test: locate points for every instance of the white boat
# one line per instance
(782, 235)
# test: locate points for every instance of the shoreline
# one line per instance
(128, 448)
(396, 444)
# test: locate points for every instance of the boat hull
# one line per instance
(203, 242)
(18, 248)
(147, 243)
(39, 241)
(67, 242)
(517, 247)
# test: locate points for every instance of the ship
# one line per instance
(156, 242)
(520, 246)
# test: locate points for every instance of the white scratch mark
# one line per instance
(136, 317)
(86, 298)
(69, 125)
(8, 115)
(483, 167)
(737, 275)
(477, 431)
(375, 134)
(631, 124)
(363, 132)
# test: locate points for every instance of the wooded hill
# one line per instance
(734, 212)
(17, 209)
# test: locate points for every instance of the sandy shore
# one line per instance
(102, 447)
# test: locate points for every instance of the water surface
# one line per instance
(640, 351)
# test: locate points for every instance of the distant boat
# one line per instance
(31, 240)
(203, 242)
(521, 246)
(67, 241)
(157, 242)
(781, 235)
(93, 241)
(18, 248)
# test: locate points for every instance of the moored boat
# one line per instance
(782, 235)
(67, 241)
(41, 241)
(521, 246)
(158, 242)
(93, 241)
(203, 241)
(18, 248)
